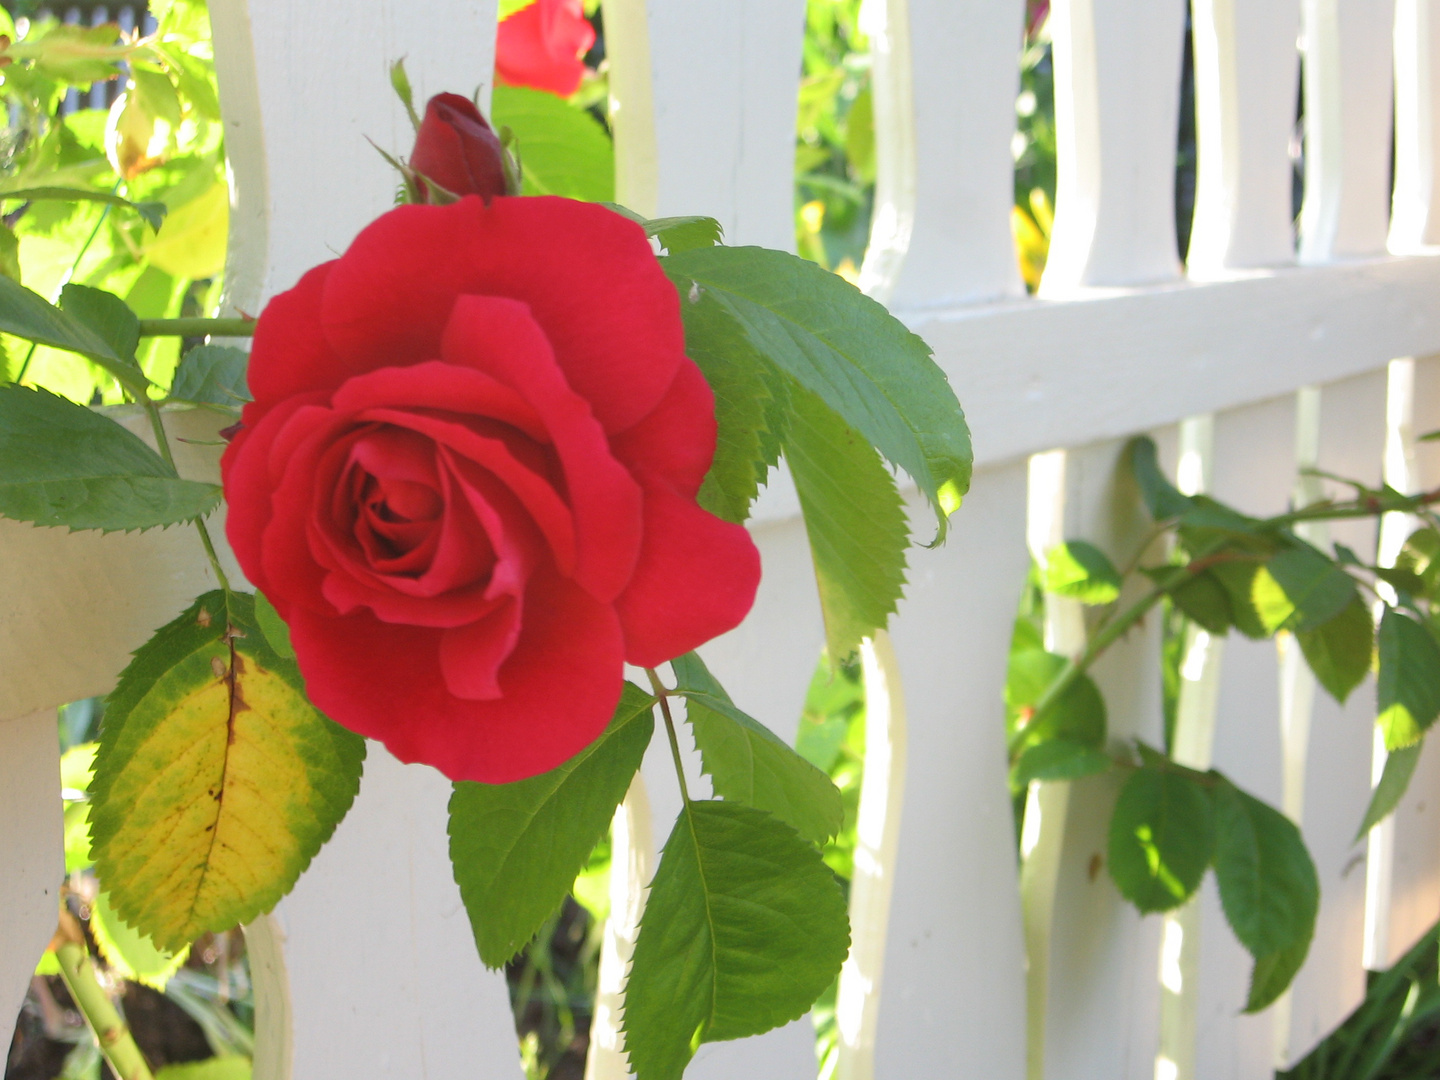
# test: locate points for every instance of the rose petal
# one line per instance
(677, 440)
(471, 655)
(696, 579)
(502, 338)
(560, 685)
(588, 275)
(289, 354)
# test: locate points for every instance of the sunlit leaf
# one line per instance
(216, 781)
(743, 928)
(1162, 835)
(1408, 686)
(748, 763)
(516, 848)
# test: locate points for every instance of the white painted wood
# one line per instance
(1035, 375)
(723, 75)
(1403, 883)
(1348, 47)
(944, 122)
(1117, 94)
(32, 853)
(1247, 77)
(1327, 752)
(301, 91)
(1103, 1008)
(384, 978)
(877, 844)
(1415, 215)
(953, 984)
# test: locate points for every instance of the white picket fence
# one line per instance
(1254, 364)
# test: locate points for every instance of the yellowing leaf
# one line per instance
(216, 781)
(191, 243)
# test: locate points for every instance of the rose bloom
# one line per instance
(467, 481)
(541, 46)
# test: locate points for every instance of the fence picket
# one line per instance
(950, 981)
(32, 846)
(1348, 94)
(1415, 218)
(1246, 82)
(944, 123)
(1117, 97)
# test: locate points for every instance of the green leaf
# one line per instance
(212, 374)
(400, 83)
(277, 633)
(107, 316)
(1081, 571)
(29, 316)
(1408, 687)
(9, 265)
(1399, 767)
(1273, 974)
(1078, 713)
(1203, 600)
(563, 150)
(62, 464)
(748, 763)
(1421, 557)
(845, 348)
(740, 380)
(854, 519)
(153, 213)
(517, 848)
(1339, 650)
(745, 926)
(676, 234)
(216, 781)
(1162, 835)
(1300, 589)
(1268, 885)
(860, 136)
(1162, 498)
(1058, 759)
(1238, 581)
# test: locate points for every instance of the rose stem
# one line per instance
(664, 695)
(111, 1032)
(197, 327)
(152, 410)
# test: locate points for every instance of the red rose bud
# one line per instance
(468, 481)
(541, 46)
(456, 150)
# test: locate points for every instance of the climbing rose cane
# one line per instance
(467, 481)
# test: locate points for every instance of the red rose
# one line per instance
(456, 149)
(541, 46)
(467, 481)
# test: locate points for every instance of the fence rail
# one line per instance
(1260, 360)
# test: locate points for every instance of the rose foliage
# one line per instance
(496, 451)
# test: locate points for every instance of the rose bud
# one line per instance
(457, 150)
(468, 477)
(541, 46)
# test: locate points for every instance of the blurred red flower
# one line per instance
(541, 46)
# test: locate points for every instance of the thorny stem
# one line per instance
(663, 694)
(1116, 627)
(197, 327)
(152, 410)
(111, 1032)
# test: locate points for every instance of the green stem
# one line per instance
(664, 695)
(197, 327)
(111, 1032)
(157, 425)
